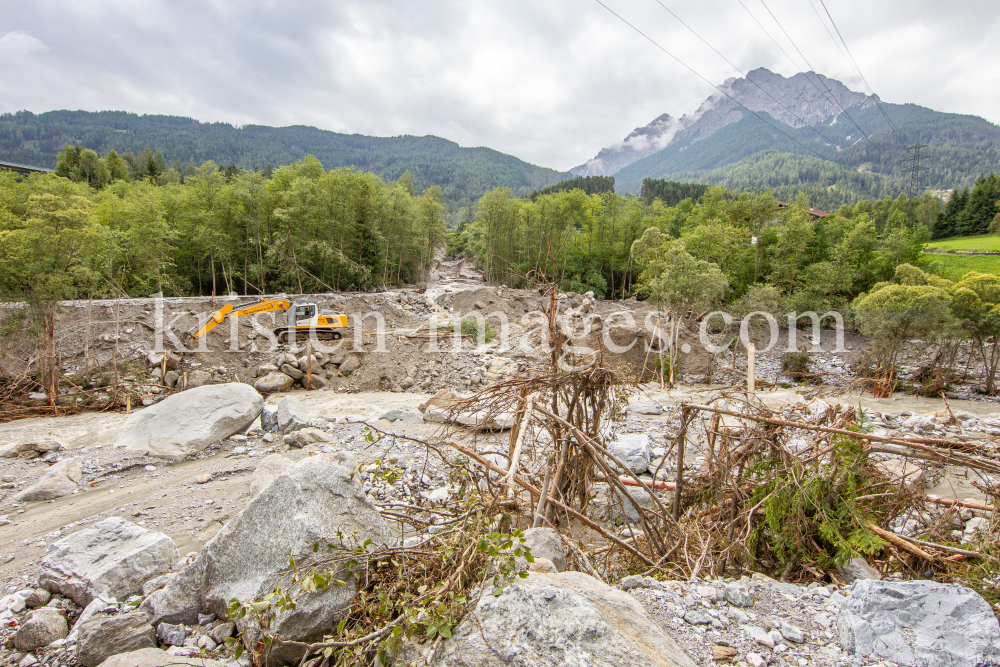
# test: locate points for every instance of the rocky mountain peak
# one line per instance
(806, 98)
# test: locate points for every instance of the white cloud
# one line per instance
(551, 82)
(18, 45)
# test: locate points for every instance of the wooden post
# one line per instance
(681, 437)
(751, 375)
(309, 365)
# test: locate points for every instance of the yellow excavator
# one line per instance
(302, 317)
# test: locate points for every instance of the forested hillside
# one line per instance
(463, 174)
(612, 244)
(592, 185)
(94, 232)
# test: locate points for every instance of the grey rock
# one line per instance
(858, 568)
(40, 628)
(738, 596)
(222, 631)
(642, 496)
(273, 382)
(292, 415)
(60, 480)
(792, 633)
(205, 619)
(186, 423)
(633, 450)
(546, 543)
(350, 364)
(318, 500)
(567, 619)
(170, 379)
(269, 467)
(97, 606)
(392, 415)
(38, 598)
(410, 417)
(695, 617)
(154, 657)
(646, 407)
(406, 383)
(633, 581)
(170, 633)
(198, 378)
(309, 436)
(269, 418)
(920, 623)
(104, 636)
(112, 558)
(314, 381)
(292, 371)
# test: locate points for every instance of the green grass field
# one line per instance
(954, 265)
(987, 243)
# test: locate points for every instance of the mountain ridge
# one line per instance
(805, 119)
(464, 173)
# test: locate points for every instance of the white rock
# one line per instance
(574, 620)
(112, 558)
(315, 501)
(60, 480)
(190, 421)
(633, 450)
(292, 415)
(920, 623)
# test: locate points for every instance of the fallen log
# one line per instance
(971, 504)
(898, 541)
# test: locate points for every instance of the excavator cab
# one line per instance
(302, 315)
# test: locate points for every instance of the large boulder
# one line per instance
(154, 657)
(317, 501)
(58, 481)
(554, 620)
(273, 382)
(292, 415)
(104, 636)
(633, 450)
(919, 623)
(111, 558)
(269, 467)
(40, 628)
(186, 423)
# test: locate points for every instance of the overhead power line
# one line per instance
(706, 80)
(857, 68)
(745, 75)
(813, 69)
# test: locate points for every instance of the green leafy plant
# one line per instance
(813, 516)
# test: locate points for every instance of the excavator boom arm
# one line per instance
(219, 316)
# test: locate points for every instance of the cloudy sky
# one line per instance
(550, 81)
